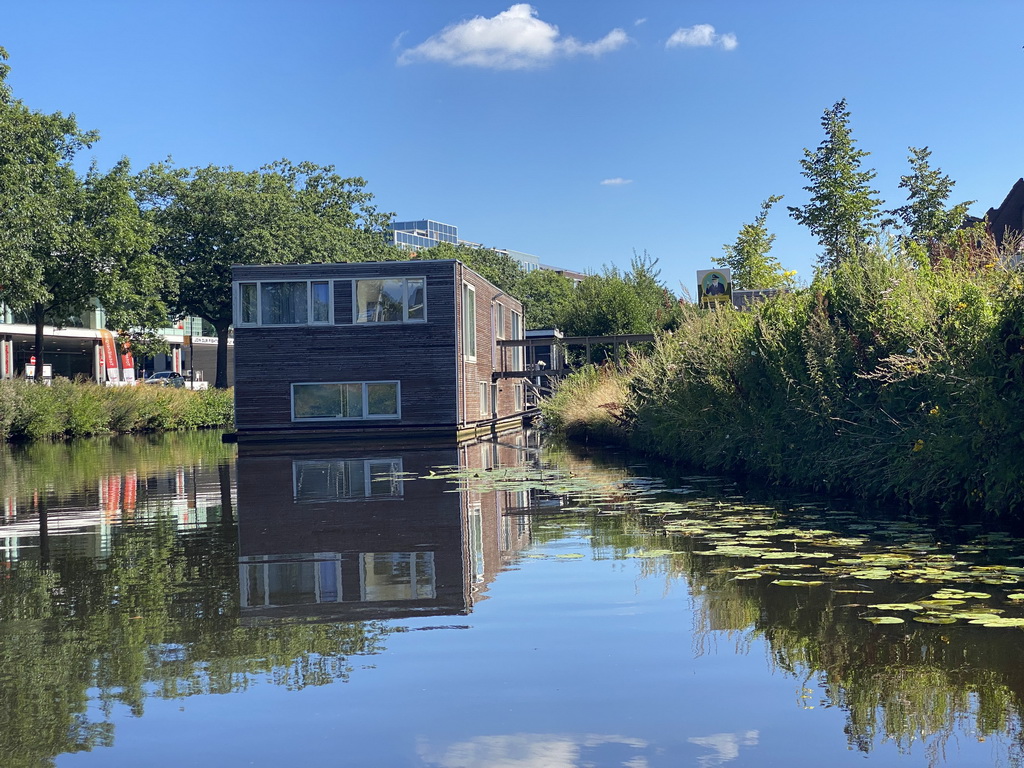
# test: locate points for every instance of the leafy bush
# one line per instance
(76, 409)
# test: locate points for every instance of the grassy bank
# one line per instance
(73, 409)
(885, 380)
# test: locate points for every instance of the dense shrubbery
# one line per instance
(884, 379)
(72, 409)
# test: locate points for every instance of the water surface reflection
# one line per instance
(488, 605)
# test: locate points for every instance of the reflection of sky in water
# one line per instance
(549, 750)
(726, 746)
(535, 750)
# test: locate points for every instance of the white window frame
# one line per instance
(518, 363)
(237, 296)
(468, 324)
(405, 300)
(485, 390)
(365, 401)
(499, 320)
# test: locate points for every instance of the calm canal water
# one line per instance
(168, 602)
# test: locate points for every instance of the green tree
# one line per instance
(546, 296)
(65, 240)
(925, 217)
(211, 218)
(748, 257)
(613, 303)
(843, 210)
(499, 268)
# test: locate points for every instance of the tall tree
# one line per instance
(65, 240)
(546, 296)
(748, 258)
(211, 218)
(925, 217)
(843, 210)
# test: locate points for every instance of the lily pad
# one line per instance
(897, 607)
(932, 619)
(797, 583)
(884, 619)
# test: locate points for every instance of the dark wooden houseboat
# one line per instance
(398, 349)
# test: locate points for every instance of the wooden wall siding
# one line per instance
(488, 357)
(343, 302)
(419, 355)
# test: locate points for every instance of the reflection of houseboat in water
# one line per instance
(356, 532)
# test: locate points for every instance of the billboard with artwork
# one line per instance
(714, 287)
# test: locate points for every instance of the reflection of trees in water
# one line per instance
(901, 683)
(65, 468)
(158, 618)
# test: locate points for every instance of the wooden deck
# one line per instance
(589, 342)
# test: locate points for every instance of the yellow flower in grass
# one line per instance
(934, 411)
(918, 445)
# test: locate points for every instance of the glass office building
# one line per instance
(424, 233)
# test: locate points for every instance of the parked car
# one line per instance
(166, 379)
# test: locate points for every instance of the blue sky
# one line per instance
(576, 131)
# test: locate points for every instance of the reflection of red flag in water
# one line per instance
(131, 485)
(112, 503)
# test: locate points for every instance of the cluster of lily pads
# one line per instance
(787, 544)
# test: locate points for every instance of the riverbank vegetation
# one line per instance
(29, 411)
(883, 379)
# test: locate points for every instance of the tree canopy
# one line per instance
(748, 258)
(927, 221)
(67, 240)
(843, 210)
(213, 217)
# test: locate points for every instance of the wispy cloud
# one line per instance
(701, 36)
(617, 181)
(514, 39)
(638, 22)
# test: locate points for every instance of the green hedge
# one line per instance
(29, 411)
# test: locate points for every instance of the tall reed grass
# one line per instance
(884, 379)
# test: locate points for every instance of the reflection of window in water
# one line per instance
(340, 479)
(476, 541)
(397, 576)
(300, 580)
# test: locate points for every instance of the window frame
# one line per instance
(239, 288)
(405, 299)
(469, 346)
(366, 416)
(336, 467)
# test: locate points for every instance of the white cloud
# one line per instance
(514, 39)
(638, 22)
(701, 36)
(617, 181)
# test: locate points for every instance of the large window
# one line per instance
(342, 479)
(346, 400)
(397, 576)
(390, 300)
(469, 321)
(284, 302)
(517, 333)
